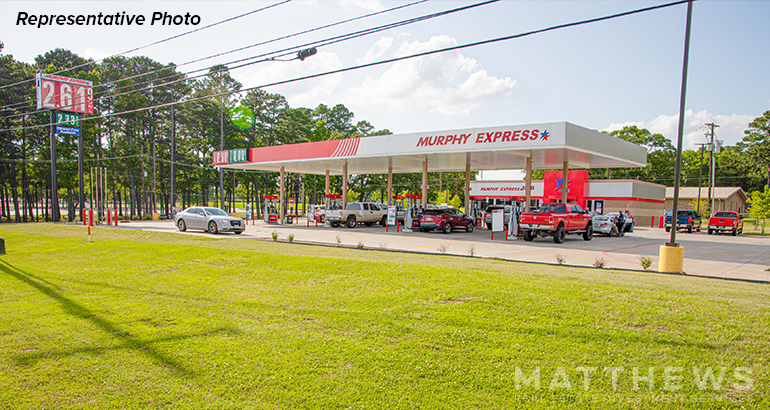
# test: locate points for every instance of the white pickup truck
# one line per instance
(354, 213)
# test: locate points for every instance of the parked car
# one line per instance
(445, 219)
(605, 224)
(629, 221)
(557, 220)
(206, 218)
(726, 221)
(356, 212)
(488, 215)
(685, 219)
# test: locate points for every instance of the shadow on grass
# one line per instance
(79, 311)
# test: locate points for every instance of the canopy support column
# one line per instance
(326, 190)
(345, 184)
(424, 183)
(564, 182)
(528, 184)
(281, 212)
(467, 185)
(390, 184)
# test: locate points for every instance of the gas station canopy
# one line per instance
(550, 145)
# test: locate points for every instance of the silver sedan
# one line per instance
(209, 219)
(605, 224)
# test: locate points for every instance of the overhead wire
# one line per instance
(387, 61)
(285, 52)
(158, 42)
(240, 48)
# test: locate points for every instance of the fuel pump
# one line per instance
(413, 211)
(271, 209)
(332, 202)
(398, 202)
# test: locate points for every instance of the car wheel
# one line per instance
(528, 235)
(689, 229)
(213, 227)
(489, 226)
(447, 227)
(335, 224)
(384, 221)
(181, 225)
(470, 227)
(559, 234)
(735, 232)
(238, 232)
(668, 229)
(631, 229)
(589, 233)
(351, 222)
(614, 231)
(710, 231)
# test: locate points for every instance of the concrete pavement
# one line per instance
(723, 256)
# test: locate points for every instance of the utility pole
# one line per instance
(711, 147)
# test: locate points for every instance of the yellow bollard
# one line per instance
(671, 259)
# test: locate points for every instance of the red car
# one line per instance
(445, 219)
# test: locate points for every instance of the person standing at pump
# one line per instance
(621, 222)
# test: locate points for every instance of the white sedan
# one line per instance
(209, 219)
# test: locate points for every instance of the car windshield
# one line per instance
(215, 211)
(684, 213)
(602, 218)
(724, 215)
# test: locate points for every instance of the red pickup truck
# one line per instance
(726, 221)
(557, 220)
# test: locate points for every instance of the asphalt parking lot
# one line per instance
(724, 256)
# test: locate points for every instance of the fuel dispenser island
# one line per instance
(333, 202)
(399, 201)
(413, 212)
(271, 209)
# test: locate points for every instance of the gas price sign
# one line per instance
(64, 93)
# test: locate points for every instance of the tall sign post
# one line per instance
(65, 95)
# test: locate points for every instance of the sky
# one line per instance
(602, 75)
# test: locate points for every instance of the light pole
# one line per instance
(671, 254)
(700, 175)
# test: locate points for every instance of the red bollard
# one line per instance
(397, 230)
(84, 217)
(660, 223)
(506, 233)
(90, 217)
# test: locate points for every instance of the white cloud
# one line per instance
(95, 54)
(304, 93)
(376, 50)
(372, 5)
(730, 128)
(446, 83)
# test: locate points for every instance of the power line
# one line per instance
(159, 41)
(387, 61)
(285, 51)
(237, 49)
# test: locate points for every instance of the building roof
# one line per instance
(691, 192)
(491, 148)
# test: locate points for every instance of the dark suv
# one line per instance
(445, 219)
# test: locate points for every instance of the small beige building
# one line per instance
(725, 198)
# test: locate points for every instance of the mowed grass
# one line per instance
(152, 320)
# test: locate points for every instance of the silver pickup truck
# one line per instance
(368, 213)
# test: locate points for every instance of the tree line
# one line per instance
(159, 159)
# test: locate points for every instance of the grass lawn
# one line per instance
(140, 319)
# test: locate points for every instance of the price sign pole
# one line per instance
(55, 215)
